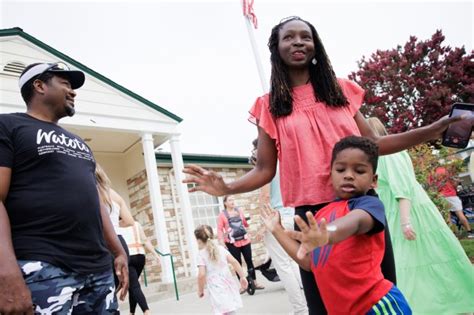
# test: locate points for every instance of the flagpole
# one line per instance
(258, 61)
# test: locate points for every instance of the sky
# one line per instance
(194, 58)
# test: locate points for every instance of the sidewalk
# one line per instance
(271, 300)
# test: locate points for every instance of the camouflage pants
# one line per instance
(57, 291)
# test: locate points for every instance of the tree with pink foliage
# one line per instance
(414, 85)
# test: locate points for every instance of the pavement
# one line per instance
(271, 300)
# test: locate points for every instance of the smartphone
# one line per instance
(458, 134)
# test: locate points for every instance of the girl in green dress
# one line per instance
(433, 270)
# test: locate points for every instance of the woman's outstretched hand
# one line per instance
(311, 236)
(438, 127)
(207, 181)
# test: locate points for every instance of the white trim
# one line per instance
(212, 165)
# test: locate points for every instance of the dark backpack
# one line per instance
(236, 225)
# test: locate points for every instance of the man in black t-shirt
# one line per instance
(55, 235)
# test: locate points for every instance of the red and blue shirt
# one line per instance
(348, 273)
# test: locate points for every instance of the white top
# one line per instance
(131, 235)
(115, 216)
(222, 286)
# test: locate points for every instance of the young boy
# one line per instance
(345, 254)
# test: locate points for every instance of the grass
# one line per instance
(468, 246)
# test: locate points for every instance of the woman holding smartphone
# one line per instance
(307, 111)
(459, 133)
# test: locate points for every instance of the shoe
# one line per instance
(470, 234)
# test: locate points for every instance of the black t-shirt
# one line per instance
(52, 203)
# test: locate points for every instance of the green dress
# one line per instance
(433, 271)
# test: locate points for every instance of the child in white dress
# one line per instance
(213, 264)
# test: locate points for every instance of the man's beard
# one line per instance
(70, 111)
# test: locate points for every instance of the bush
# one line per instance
(426, 158)
(415, 84)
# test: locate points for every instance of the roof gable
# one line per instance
(19, 32)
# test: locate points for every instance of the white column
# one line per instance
(184, 202)
(157, 205)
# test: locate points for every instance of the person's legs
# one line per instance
(132, 279)
(449, 218)
(311, 291)
(456, 208)
(137, 262)
(388, 262)
(288, 223)
(52, 288)
(247, 253)
(284, 267)
(97, 296)
(234, 251)
(463, 220)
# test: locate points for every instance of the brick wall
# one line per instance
(141, 210)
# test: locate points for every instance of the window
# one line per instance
(205, 208)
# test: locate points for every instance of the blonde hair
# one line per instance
(204, 234)
(377, 126)
(103, 186)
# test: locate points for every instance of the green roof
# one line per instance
(204, 158)
(16, 31)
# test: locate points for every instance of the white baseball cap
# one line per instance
(75, 77)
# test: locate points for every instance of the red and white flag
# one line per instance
(249, 12)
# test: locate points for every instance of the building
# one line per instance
(205, 208)
(124, 129)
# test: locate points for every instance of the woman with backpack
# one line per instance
(232, 233)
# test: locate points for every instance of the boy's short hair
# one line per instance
(370, 148)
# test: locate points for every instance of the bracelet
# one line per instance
(406, 224)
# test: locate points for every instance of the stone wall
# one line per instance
(141, 210)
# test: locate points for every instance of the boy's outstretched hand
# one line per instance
(311, 236)
(270, 217)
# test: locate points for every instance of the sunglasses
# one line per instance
(253, 158)
(57, 66)
(290, 18)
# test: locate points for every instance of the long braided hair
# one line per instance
(322, 76)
